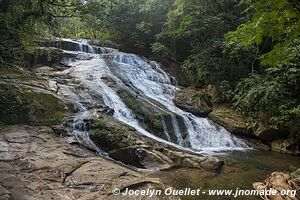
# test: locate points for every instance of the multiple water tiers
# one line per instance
(98, 73)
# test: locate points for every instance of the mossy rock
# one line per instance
(194, 101)
(44, 108)
(29, 107)
(231, 120)
(149, 117)
(109, 134)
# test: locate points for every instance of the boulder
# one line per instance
(230, 120)
(194, 101)
(193, 161)
(291, 145)
(269, 134)
(30, 106)
(110, 134)
(163, 158)
(140, 157)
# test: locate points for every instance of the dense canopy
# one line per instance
(248, 49)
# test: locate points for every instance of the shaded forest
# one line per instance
(248, 49)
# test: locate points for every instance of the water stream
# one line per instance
(88, 87)
(144, 78)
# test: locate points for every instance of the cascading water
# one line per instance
(146, 79)
(151, 81)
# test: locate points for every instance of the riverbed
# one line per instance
(241, 170)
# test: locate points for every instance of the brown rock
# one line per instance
(268, 133)
(194, 101)
(230, 120)
(4, 194)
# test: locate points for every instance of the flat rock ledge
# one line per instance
(37, 164)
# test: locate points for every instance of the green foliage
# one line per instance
(272, 97)
(256, 66)
(196, 31)
(278, 20)
(159, 49)
(272, 93)
(20, 20)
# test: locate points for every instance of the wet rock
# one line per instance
(126, 155)
(45, 56)
(3, 146)
(193, 161)
(110, 134)
(141, 158)
(45, 70)
(230, 120)
(110, 112)
(194, 101)
(66, 45)
(103, 109)
(159, 159)
(150, 118)
(258, 144)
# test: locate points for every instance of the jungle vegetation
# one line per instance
(249, 49)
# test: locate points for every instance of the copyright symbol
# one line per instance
(116, 191)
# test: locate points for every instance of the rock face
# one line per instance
(151, 118)
(267, 138)
(230, 120)
(194, 101)
(36, 164)
(25, 102)
(269, 134)
(124, 144)
(4, 194)
(109, 134)
(290, 145)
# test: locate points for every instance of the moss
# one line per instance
(194, 101)
(2, 126)
(11, 105)
(149, 118)
(7, 70)
(44, 108)
(110, 134)
(10, 72)
(29, 107)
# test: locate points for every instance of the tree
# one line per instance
(20, 19)
(272, 94)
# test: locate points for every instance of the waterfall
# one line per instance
(146, 79)
(151, 81)
(176, 129)
(166, 130)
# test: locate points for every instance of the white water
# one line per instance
(151, 81)
(153, 84)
